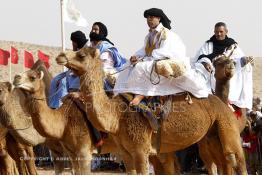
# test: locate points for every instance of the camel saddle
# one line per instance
(154, 109)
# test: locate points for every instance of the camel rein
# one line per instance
(210, 77)
(131, 65)
(154, 67)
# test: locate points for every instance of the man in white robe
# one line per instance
(160, 43)
(241, 84)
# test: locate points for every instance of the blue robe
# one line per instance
(66, 81)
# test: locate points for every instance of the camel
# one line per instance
(108, 146)
(224, 71)
(65, 124)
(185, 125)
(17, 150)
(19, 124)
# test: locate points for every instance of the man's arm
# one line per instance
(205, 49)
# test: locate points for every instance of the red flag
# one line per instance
(14, 55)
(44, 58)
(29, 59)
(4, 55)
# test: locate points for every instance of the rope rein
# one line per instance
(154, 67)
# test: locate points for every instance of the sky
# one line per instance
(38, 21)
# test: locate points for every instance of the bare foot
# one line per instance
(136, 100)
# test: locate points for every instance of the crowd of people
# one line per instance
(161, 43)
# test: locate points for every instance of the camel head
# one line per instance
(30, 81)
(80, 61)
(224, 67)
(5, 90)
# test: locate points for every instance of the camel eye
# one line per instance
(80, 55)
(32, 78)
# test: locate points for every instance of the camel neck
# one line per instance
(48, 122)
(19, 122)
(102, 111)
(11, 112)
(222, 90)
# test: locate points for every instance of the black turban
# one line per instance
(102, 29)
(158, 13)
(102, 33)
(79, 38)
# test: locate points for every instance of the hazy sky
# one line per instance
(38, 21)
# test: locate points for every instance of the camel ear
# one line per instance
(41, 75)
(9, 86)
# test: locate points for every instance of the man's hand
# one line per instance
(207, 66)
(245, 60)
(74, 96)
(133, 59)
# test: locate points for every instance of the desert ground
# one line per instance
(55, 69)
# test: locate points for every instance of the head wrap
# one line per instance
(102, 28)
(79, 38)
(102, 33)
(158, 13)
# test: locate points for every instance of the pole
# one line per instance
(62, 25)
(62, 29)
(24, 62)
(10, 66)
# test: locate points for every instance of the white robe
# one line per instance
(241, 84)
(136, 79)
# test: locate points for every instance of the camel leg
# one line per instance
(141, 162)
(169, 163)
(127, 158)
(206, 156)
(158, 168)
(18, 153)
(129, 163)
(30, 163)
(84, 160)
(58, 164)
(232, 148)
(18, 157)
(81, 161)
(7, 165)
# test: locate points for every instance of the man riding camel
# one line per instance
(241, 84)
(160, 43)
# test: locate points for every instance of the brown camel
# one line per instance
(65, 124)
(186, 123)
(82, 134)
(19, 124)
(224, 71)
